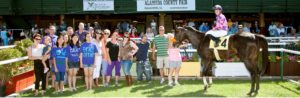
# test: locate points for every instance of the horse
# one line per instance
(246, 46)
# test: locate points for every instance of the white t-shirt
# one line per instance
(281, 30)
(37, 51)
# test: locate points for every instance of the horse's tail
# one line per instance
(264, 50)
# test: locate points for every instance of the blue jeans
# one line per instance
(126, 65)
(143, 67)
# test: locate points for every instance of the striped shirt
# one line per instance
(161, 43)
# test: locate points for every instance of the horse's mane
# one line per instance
(251, 35)
(192, 29)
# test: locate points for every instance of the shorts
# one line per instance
(87, 65)
(104, 67)
(174, 64)
(60, 76)
(162, 62)
(73, 64)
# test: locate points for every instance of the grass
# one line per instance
(188, 88)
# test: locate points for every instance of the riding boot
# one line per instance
(127, 80)
(215, 39)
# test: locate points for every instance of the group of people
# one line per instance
(5, 36)
(98, 52)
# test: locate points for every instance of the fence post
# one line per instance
(281, 63)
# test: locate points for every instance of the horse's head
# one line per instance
(180, 36)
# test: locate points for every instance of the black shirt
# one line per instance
(142, 53)
(113, 51)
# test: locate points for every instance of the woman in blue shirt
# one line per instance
(73, 50)
(88, 50)
(60, 65)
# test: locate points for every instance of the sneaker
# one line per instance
(170, 84)
(116, 84)
(74, 89)
(177, 83)
(46, 70)
(71, 89)
(106, 85)
(162, 81)
(43, 92)
(55, 92)
(149, 82)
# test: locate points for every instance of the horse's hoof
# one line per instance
(209, 85)
(250, 93)
(205, 88)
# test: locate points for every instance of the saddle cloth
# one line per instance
(223, 44)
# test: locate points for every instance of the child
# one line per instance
(174, 61)
(46, 53)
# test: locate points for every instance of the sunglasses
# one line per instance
(37, 39)
(106, 33)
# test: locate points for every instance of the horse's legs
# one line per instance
(205, 72)
(210, 81)
(257, 82)
(204, 83)
(252, 74)
(252, 84)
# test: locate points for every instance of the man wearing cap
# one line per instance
(221, 27)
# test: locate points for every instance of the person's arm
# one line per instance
(103, 50)
(135, 48)
(80, 58)
(153, 51)
(67, 66)
(54, 64)
(96, 54)
(108, 56)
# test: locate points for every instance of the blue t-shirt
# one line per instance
(4, 34)
(73, 53)
(142, 53)
(60, 55)
(88, 51)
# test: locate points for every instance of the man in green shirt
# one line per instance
(161, 44)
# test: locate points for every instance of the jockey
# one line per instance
(221, 27)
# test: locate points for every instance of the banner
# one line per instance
(98, 5)
(166, 5)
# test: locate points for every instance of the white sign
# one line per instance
(166, 5)
(231, 69)
(98, 5)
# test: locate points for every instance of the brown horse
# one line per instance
(246, 46)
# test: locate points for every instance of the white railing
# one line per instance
(13, 60)
(4, 47)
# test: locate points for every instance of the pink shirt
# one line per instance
(174, 54)
(221, 23)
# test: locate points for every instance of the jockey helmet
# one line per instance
(217, 7)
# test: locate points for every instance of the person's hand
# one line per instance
(81, 65)
(56, 70)
(153, 58)
(109, 62)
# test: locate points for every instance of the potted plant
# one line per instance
(18, 75)
(6, 70)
